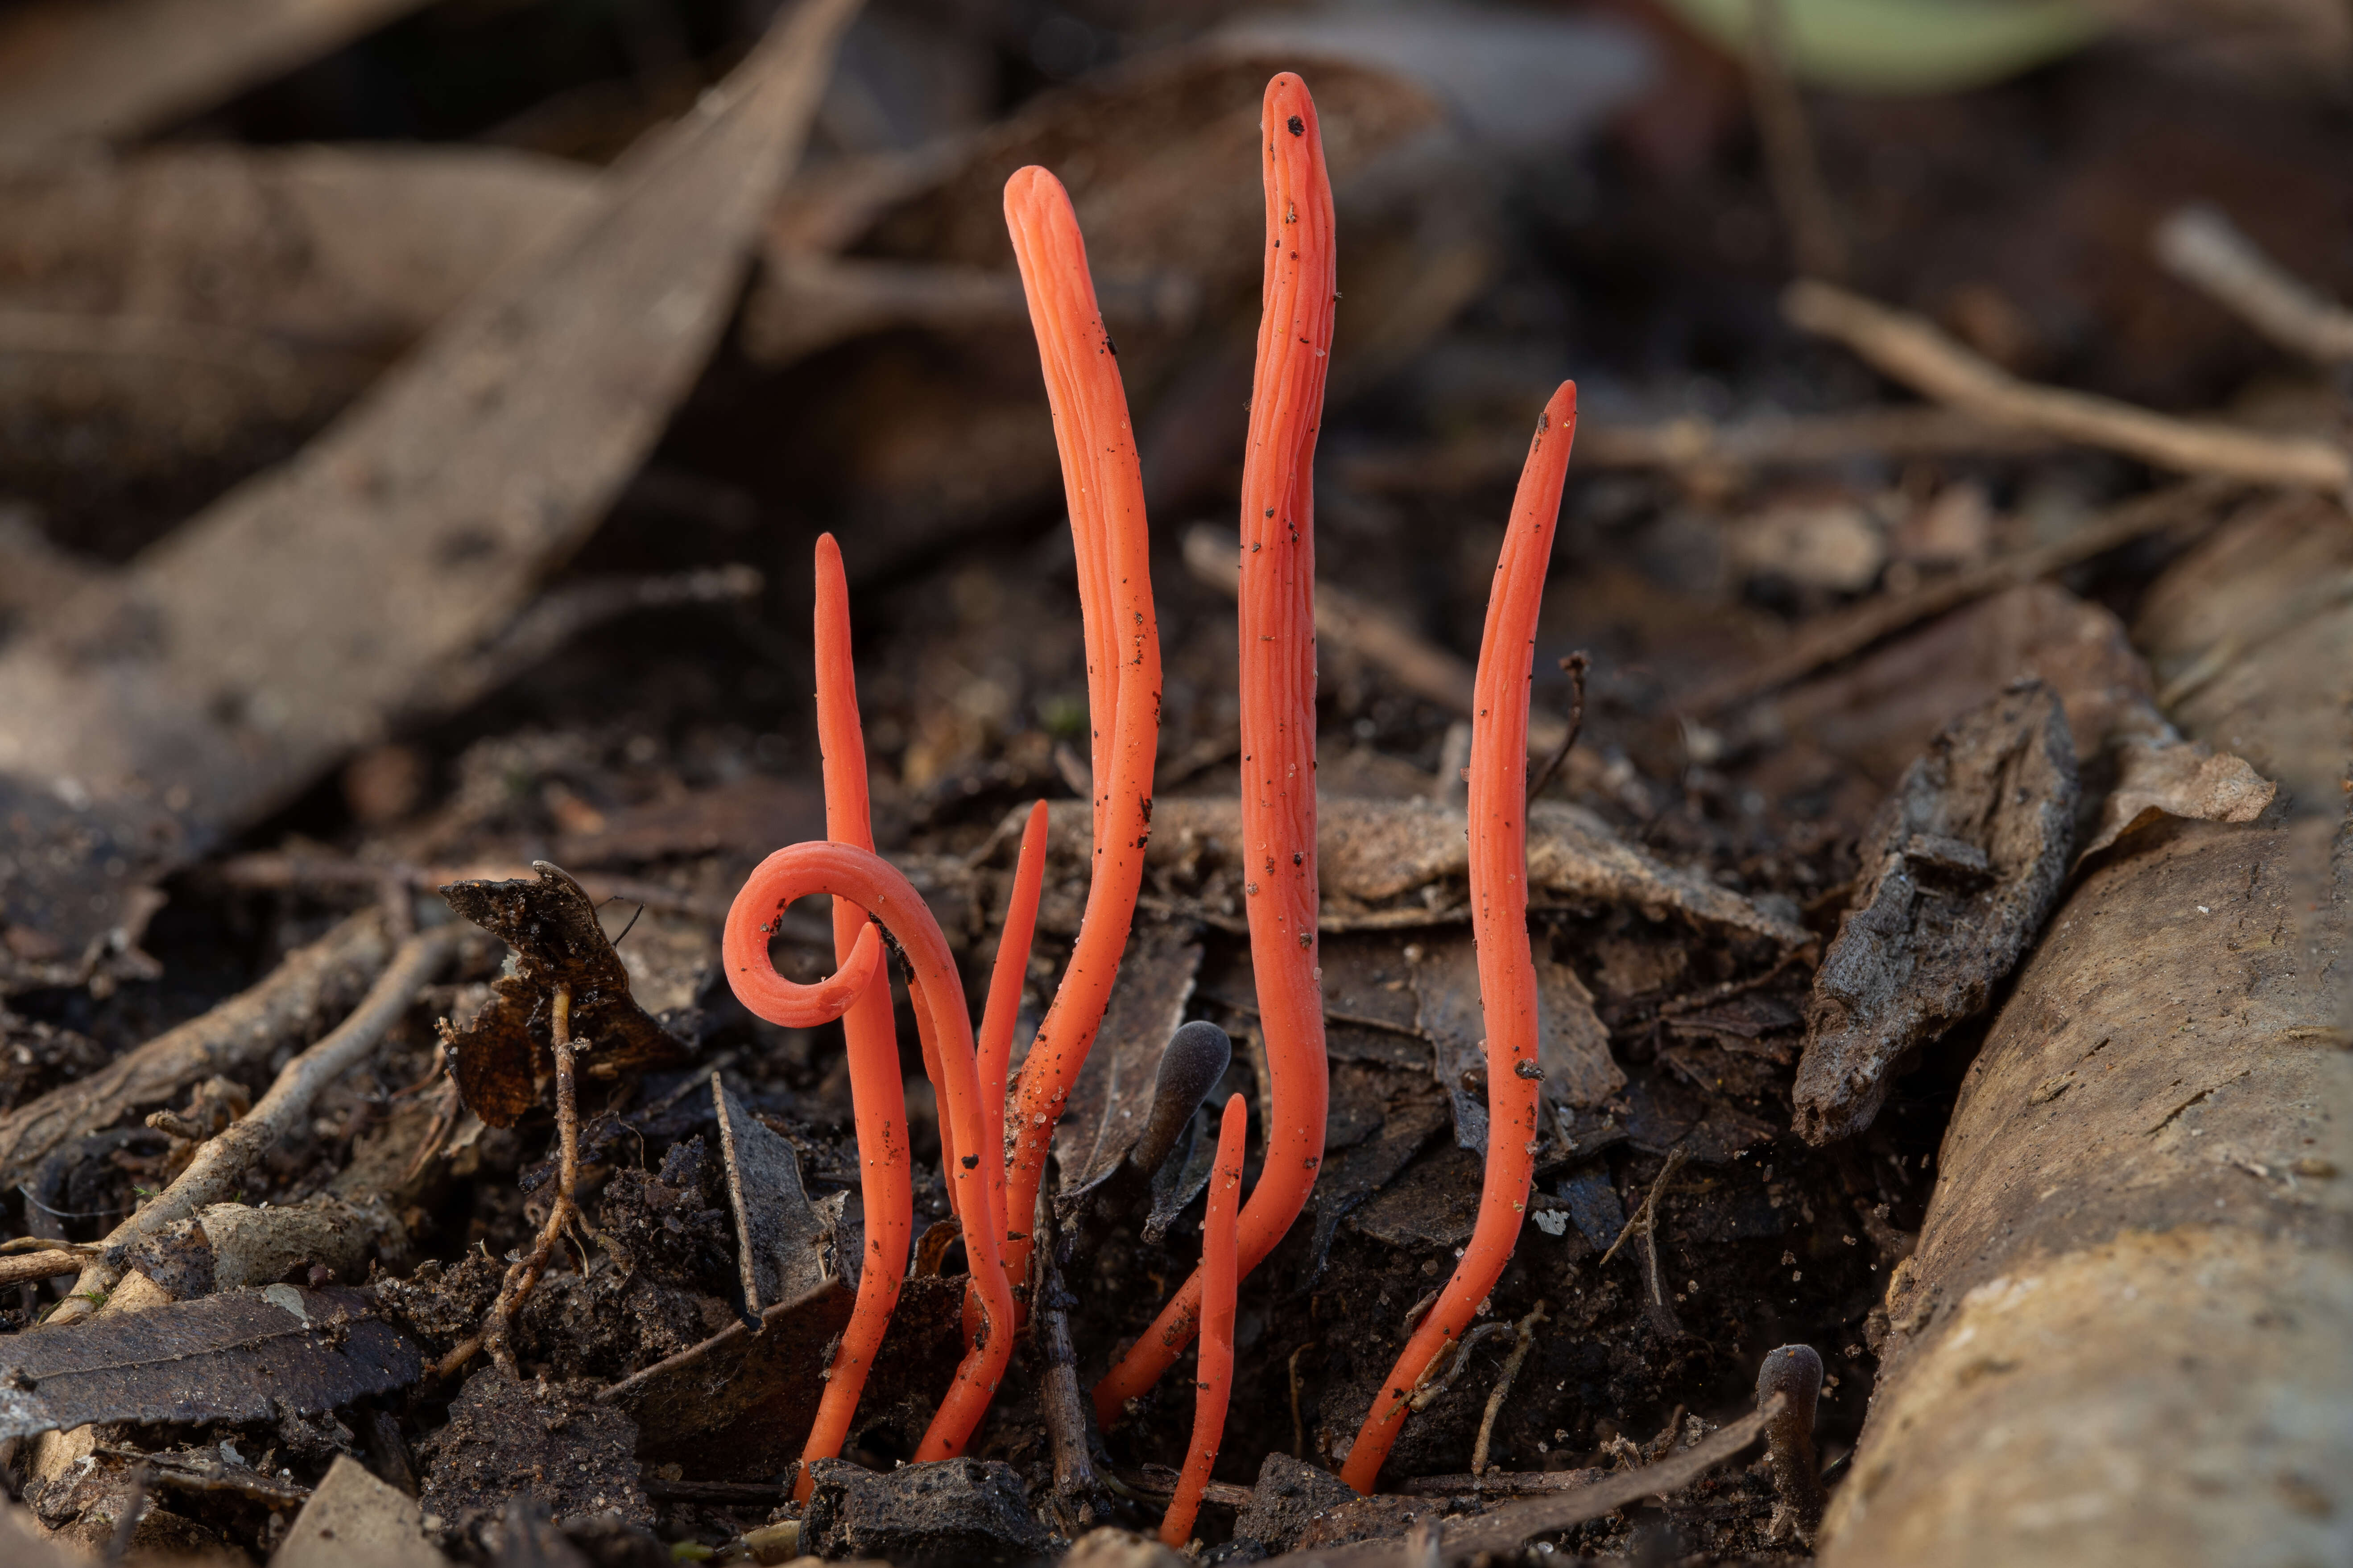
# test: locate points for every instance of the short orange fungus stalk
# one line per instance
(871, 883)
(1220, 1272)
(1499, 919)
(1277, 705)
(1103, 486)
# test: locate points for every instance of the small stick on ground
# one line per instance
(1826, 641)
(218, 1167)
(2201, 245)
(1429, 1394)
(243, 1031)
(1062, 1400)
(1512, 1365)
(134, 1508)
(54, 1259)
(275, 869)
(1718, 454)
(1373, 634)
(1913, 351)
(524, 1278)
(1642, 1218)
(1573, 666)
(1793, 169)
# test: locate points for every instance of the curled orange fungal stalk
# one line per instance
(871, 883)
(1277, 706)
(1499, 919)
(879, 1101)
(1213, 1389)
(1104, 488)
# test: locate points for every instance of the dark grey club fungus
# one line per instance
(1196, 1057)
(1794, 1372)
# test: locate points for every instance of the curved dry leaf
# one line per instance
(301, 612)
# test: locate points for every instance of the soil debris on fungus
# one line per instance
(931, 784)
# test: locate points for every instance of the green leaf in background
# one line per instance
(1906, 46)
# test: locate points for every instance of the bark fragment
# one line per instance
(1962, 865)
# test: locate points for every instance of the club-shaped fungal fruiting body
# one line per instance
(1499, 921)
(995, 1170)
(1277, 653)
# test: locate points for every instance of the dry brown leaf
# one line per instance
(1396, 864)
(244, 1356)
(290, 621)
(788, 1246)
(1110, 1104)
(495, 1058)
(84, 71)
(2158, 778)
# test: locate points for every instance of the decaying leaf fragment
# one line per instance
(2163, 775)
(1111, 1103)
(354, 1520)
(246, 1355)
(173, 701)
(552, 926)
(787, 1245)
(1572, 1043)
(1396, 864)
(1961, 866)
(738, 1405)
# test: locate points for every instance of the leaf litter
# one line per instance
(1703, 872)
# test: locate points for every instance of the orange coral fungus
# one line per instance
(1104, 488)
(871, 883)
(879, 1101)
(1278, 704)
(1002, 1009)
(1220, 1273)
(1499, 919)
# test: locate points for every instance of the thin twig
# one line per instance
(1817, 245)
(243, 1032)
(524, 1278)
(1359, 626)
(1068, 1413)
(1428, 1392)
(1641, 1218)
(1912, 350)
(319, 873)
(1690, 445)
(126, 1522)
(1573, 666)
(1502, 1529)
(219, 1166)
(1512, 1365)
(2201, 245)
(44, 1264)
(1828, 640)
